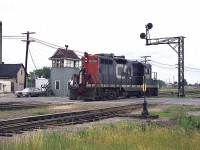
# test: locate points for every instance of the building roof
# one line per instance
(64, 54)
(9, 70)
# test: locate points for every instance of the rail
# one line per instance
(19, 125)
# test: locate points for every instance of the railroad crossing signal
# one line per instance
(144, 87)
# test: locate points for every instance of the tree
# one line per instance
(38, 73)
(185, 82)
(44, 72)
(161, 83)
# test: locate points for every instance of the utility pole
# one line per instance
(0, 42)
(145, 58)
(154, 75)
(26, 57)
(145, 110)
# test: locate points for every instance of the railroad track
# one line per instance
(16, 106)
(20, 125)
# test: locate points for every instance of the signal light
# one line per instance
(142, 35)
(149, 26)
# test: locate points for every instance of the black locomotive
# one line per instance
(105, 76)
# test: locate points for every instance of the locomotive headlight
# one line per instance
(86, 59)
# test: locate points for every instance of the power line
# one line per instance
(193, 68)
(32, 59)
(162, 63)
(13, 37)
(54, 46)
(47, 45)
(174, 65)
(7, 36)
(51, 45)
(163, 67)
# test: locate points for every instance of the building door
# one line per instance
(12, 87)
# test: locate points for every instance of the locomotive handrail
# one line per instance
(94, 78)
(98, 78)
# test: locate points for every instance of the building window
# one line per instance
(76, 64)
(57, 63)
(1, 86)
(70, 63)
(57, 85)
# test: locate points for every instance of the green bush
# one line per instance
(188, 122)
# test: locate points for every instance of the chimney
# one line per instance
(66, 46)
(0, 42)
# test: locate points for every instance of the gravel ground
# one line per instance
(153, 100)
(64, 104)
(76, 128)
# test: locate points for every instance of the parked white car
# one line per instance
(28, 92)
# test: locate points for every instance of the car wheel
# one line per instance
(29, 94)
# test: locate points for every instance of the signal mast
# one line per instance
(177, 44)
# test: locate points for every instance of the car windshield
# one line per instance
(27, 89)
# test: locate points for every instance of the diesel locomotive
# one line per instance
(107, 77)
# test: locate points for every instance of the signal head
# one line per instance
(149, 26)
(142, 35)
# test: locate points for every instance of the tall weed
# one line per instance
(188, 122)
(119, 136)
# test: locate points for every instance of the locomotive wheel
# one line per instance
(127, 96)
(139, 95)
(110, 95)
(148, 93)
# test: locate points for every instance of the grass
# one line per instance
(173, 111)
(113, 137)
(179, 114)
(175, 96)
(188, 122)
(195, 92)
(25, 112)
(121, 136)
(163, 114)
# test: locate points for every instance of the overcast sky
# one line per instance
(104, 26)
